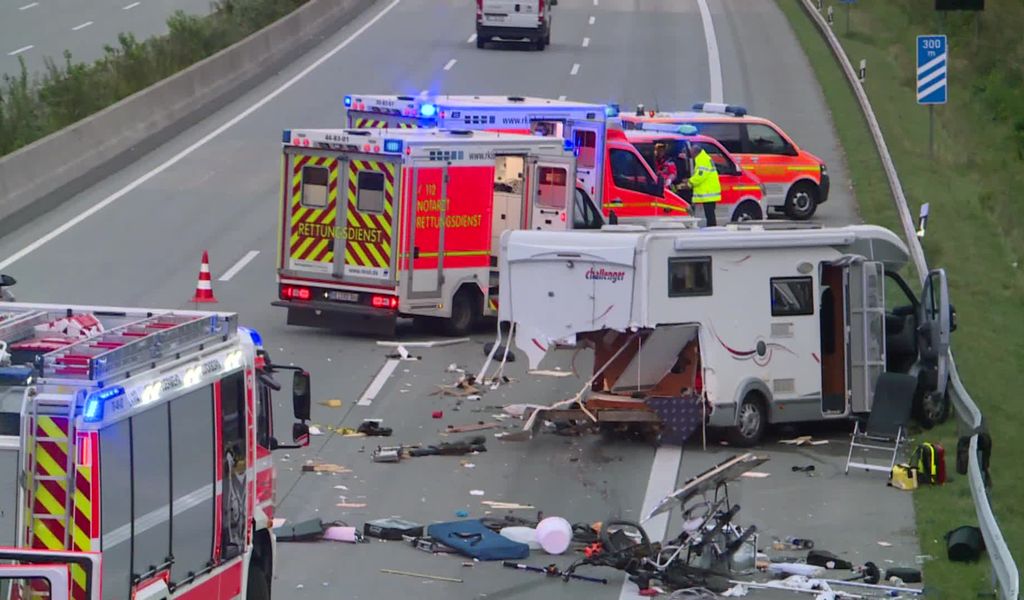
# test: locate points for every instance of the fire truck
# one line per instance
(609, 169)
(145, 467)
(377, 224)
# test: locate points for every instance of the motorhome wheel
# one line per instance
(750, 421)
(933, 409)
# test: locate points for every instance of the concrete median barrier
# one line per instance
(40, 176)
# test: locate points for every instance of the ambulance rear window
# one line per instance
(586, 147)
(551, 187)
(314, 187)
(370, 194)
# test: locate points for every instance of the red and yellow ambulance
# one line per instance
(609, 170)
(382, 223)
(796, 181)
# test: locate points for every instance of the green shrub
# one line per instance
(68, 91)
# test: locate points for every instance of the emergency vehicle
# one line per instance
(381, 223)
(742, 192)
(796, 180)
(145, 452)
(514, 20)
(771, 323)
(609, 169)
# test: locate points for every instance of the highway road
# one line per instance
(36, 29)
(136, 238)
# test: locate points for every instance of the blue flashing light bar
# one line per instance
(254, 335)
(394, 146)
(286, 136)
(687, 129)
(348, 101)
(428, 110)
(568, 145)
(612, 110)
(95, 402)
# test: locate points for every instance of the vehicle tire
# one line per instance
(258, 587)
(930, 409)
(752, 419)
(547, 39)
(802, 201)
(539, 44)
(747, 211)
(481, 41)
(466, 312)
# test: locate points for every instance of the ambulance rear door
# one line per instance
(341, 216)
(423, 241)
(588, 139)
(552, 189)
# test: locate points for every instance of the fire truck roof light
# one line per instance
(393, 146)
(257, 339)
(428, 110)
(286, 136)
(348, 101)
(94, 403)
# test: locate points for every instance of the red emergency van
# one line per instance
(742, 191)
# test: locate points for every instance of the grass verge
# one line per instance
(33, 107)
(976, 229)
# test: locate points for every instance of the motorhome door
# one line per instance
(934, 325)
(865, 334)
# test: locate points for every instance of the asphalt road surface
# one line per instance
(136, 238)
(36, 29)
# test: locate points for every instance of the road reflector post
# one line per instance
(862, 73)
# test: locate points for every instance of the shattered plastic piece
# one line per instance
(550, 373)
(325, 468)
(736, 591)
(523, 535)
(476, 492)
(335, 403)
(437, 414)
(351, 505)
(795, 569)
(884, 544)
(755, 475)
(462, 513)
(314, 430)
(507, 505)
(554, 535)
(342, 534)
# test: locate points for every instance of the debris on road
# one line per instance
(302, 531)
(501, 350)
(756, 475)
(425, 344)
(802, 440)
(373, 427)
(392, 528)
(335, 403)
(312, 467)
(351, 505)
(421, 575)
(478, 426)
(507, 505)
(343, 533)
(476, 492)
(550, 373)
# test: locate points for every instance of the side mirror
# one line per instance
(7, 281)
(301, 395)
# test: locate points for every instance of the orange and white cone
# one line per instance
(204, 287)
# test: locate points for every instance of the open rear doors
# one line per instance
(865, 297)
(934, 325)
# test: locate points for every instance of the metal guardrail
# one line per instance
(1007, 576)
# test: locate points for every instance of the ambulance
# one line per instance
(381, 223)
(144, 462)
(796, 180)
(609, 170)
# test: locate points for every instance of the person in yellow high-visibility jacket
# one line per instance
(707, 191)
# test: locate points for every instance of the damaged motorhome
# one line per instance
(767, 323)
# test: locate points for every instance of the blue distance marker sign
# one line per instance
(931, 69)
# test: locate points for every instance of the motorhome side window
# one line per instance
(689, 276)
(792, 296)
(371, 192)
(314, 187)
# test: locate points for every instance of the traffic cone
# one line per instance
(204, 288)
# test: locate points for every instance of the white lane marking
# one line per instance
(426, 344)
(448, 66)
(378, 382)
(238, 266)
(28, 6)
(82, 26)
(575, 69)
(20, 50)
(195, 146)
(592, 19)
(130, 6)
(561, 98)
(586, 42)
(662, 482)
(471, 39)
(714, 61)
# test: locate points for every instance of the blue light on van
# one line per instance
(394, 146)
(94, 403)
(348, 101)
(428, 110)
(254, 335)
(611, 110)
(568, 145)
(286, 136)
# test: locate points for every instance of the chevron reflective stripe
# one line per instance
(363, 123)
(50, 453)
(85, 527)
(368, 234)
(313, 228)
